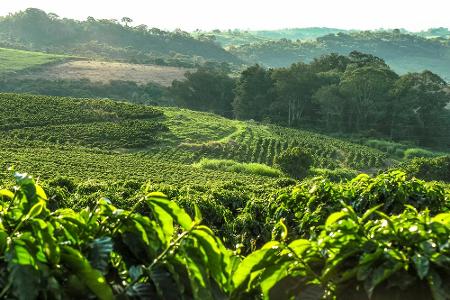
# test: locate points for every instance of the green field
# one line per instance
(141, 202)
(165, 134)
(12, 60)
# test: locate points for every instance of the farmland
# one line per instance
(138, 163)
(104, 72)
(12, 60)
(226, 174)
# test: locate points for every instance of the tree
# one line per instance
(254, 94)
(419, 111)
(294, 87)
(207, 89)
(363, 59)
(367, 87)
(126, 20)
(333, 107)
(295, 162)
(330, 62)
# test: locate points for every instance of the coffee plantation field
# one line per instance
(357, 248)
(139, 202)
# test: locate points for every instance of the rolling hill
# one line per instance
(34, 29)
(51, 134)
(403, 52)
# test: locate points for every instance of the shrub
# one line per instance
(437, 168)
(392, 148)
(417, 152)
(237, 167)
(336, 175)
(295, 162)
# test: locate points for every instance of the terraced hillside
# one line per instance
(121, 140)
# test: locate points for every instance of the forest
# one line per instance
(358, 94)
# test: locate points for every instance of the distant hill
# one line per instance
(402, 51)
(34, 29)
(297, 33)
(240, 37)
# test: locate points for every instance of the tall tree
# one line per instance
(333, 107)
(206, 89)
(367, 88)
(254, 93)
(127, 21)
(294, 87)
(419, 112)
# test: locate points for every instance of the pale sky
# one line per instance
(189, 15)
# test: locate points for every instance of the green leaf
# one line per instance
(422, 265)
(91, 277)
(368, 213)
(284, 230)
(45, 234)
(198, 274)
(272, 275)
(3, 241)
(178, 214)
(35, 210)
(255, 261)
(6, 194)
(20, 255)
(443, 218)
(40, 192)
(165, 220)
(379, 275)
(334, 217)
(299, 246)
(198, 214)
(216, 258)
(100, 249)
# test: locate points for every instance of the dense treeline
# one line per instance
(33, 29)
(404, 52)
(356, 94)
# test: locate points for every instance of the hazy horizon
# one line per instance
(252, 15)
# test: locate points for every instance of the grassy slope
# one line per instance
(12, 60)
(107, 140)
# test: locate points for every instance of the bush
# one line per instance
(237, 167)
(294, 162)
(417, 152)
(373, 248)
(391, 148)
(437, 168)
(336, 175)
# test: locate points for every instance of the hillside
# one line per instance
(403, 52)
(128, 138)
(33, 29)
(99, 163)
